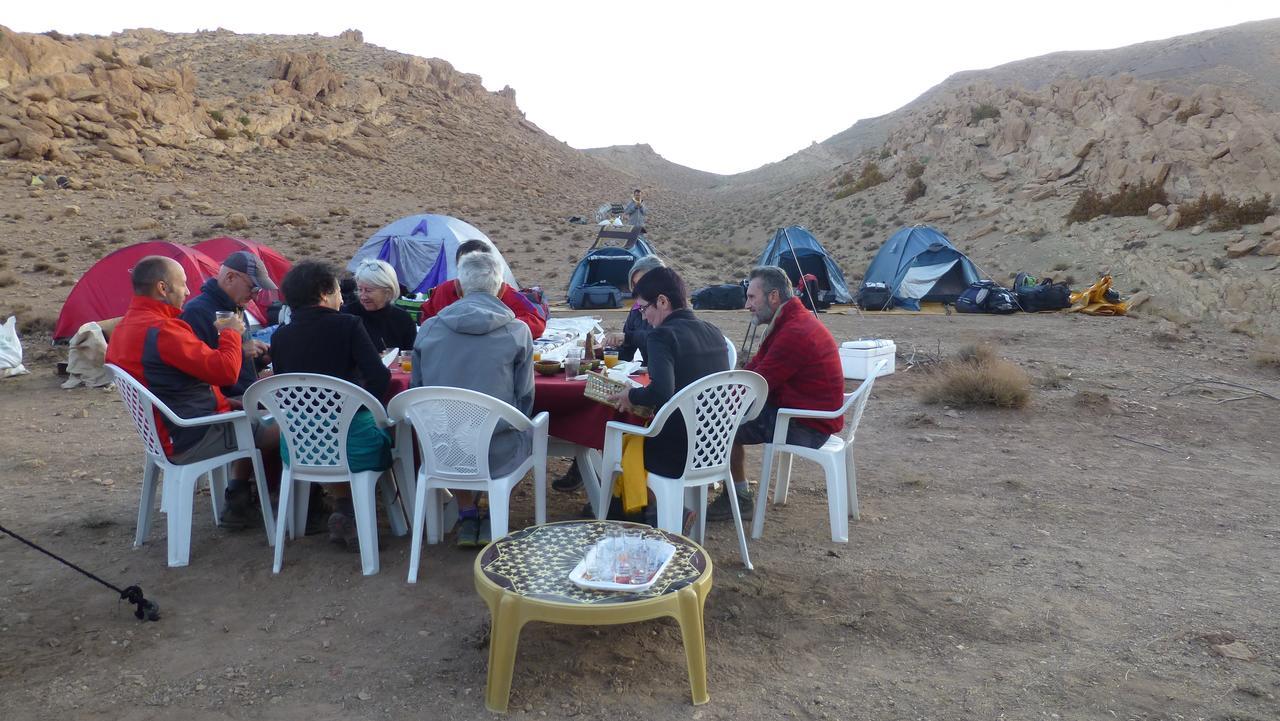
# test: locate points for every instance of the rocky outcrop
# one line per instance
(1101, 133)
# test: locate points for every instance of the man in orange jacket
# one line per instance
(160, 350)
(448, 292)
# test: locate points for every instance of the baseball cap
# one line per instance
(251, 265)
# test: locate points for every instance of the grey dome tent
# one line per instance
(603, 277)
(809, 258)
(919, 264)
(421, 249)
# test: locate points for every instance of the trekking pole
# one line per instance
(813, 306)
(145, 611)
(749, 341)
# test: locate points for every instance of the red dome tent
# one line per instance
(277, 265)
(105, 289)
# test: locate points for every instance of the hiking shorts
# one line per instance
(760, 430)
(218, 439)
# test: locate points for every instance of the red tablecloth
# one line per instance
(574, 417)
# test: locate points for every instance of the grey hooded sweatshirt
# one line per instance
(476, 343)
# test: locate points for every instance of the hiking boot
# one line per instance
(485, 535)
(342, 531)
(239, 512)
(468, 532)
(720, 510)
(570, 481)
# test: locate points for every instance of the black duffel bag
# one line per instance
(730, 296)
(1046, 296)
(598, 295)
(986, 296)
(874, 296)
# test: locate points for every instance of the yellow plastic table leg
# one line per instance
(504, 635)
(695, 646)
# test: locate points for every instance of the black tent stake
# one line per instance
(145, 611)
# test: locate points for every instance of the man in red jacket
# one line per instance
(800, 360)
(448, 292)
(160, 350)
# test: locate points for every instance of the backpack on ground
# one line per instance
(729, 296)
(538, 299)
(602, 294)
(874, 296)
(986, 296)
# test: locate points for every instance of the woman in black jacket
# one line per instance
(319, 339)
(679, 350)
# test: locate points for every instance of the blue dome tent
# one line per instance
(421, 249)
(919, 264)
(603, 277)
(809, 258)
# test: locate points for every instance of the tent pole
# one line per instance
(748, 341)
(800, 272)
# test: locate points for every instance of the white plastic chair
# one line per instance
(712, 408)
(178, 492)
(733, 353)
(454, 427)
(835, 456)
(314, 413)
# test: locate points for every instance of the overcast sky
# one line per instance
(718, 86)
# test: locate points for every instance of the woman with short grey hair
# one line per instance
(376, 287)
(479, 273)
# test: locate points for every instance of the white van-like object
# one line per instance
(859, 357)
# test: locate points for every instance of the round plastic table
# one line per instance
(524, 577)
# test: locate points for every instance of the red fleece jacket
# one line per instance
(801, 361)
(445, 294)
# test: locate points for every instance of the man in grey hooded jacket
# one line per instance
(476, 343)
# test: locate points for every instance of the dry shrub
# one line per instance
(1267, 355)
(1129, 200)
(1227, 213)
(7, 279)
(978, 377)
(915, 191)
(36, 323)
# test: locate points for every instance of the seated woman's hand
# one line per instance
(621, 401)
(614, 339)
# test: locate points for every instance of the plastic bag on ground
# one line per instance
(10, 349)
(86, 357)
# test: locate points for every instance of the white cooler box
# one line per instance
(859, 357)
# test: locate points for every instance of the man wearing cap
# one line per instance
(239, 280)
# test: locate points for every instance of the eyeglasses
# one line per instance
(643, 307)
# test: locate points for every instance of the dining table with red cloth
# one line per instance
(575, 418)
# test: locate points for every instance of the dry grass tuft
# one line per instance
(978, 377)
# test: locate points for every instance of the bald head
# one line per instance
(160, 278)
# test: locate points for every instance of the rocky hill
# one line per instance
(310, 143)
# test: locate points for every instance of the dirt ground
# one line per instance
(1078, 559)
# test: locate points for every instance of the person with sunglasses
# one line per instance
(240, 278)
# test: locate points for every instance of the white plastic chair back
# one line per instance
(858, 401)
(712, 408)
(733, 353)
(142, 409)
(314, 413)
(454, 427)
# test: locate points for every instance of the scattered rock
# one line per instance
(1271, 224)
(1197, 229)
(1271, 248)
(993, 171)
(1157, 211)
(1171, 220)
(236, 221)
(165, 204)
(1236, 649)
(70, 210)
(1243, 247)
(295, 220)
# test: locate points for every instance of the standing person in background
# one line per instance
(388, 326)
(448, 292)
(240, 279)
(636, 211)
